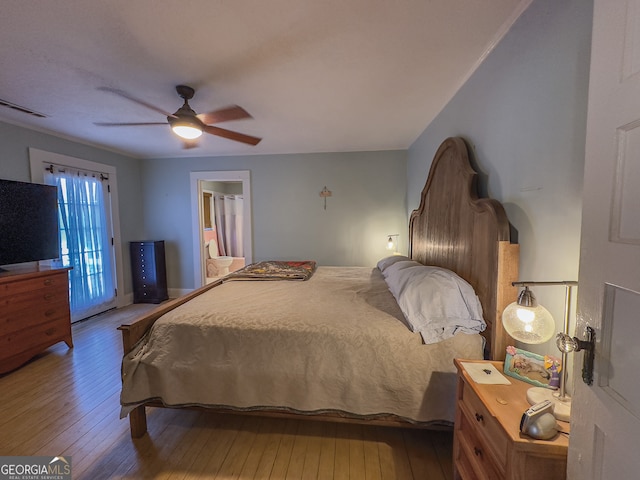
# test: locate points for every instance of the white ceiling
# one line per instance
(317, 75)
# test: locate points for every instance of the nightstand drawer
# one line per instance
(474, 459)
(488, 427)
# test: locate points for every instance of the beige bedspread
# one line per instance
(337, 342)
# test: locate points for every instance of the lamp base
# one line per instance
(561, 407)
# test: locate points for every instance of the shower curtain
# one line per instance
(228, 210)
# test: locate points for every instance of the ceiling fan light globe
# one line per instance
(188, 132)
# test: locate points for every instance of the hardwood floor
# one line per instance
(66, 403)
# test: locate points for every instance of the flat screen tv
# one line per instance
(28, 222)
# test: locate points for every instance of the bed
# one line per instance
(342, 345)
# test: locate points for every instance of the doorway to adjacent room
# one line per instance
(210, 241)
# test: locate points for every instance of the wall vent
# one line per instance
(13, 106)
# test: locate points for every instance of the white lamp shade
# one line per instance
(532, 325)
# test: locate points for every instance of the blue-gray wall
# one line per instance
(523, 112)
(289, 220)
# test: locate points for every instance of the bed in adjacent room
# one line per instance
(372, 344)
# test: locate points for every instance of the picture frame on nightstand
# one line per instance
(530, 367)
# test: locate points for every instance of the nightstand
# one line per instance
(487, 442)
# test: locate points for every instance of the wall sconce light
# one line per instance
(392, 242)
(528, 322)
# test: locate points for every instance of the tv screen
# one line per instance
(28, 222)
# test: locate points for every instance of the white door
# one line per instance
(605, 419)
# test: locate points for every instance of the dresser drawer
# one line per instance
(486, 425)
(32, 314)
(43, 334)
(55, 281)
(24, 300)
(147, 291)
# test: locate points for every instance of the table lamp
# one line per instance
(528, 322)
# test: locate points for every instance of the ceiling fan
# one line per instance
(186, 123)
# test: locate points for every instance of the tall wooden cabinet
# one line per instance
(34, 314)
(149, 272)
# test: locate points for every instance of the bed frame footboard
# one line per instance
(133, 332)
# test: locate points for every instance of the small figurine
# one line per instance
(554, 366)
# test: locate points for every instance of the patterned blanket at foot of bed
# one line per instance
(274, 270)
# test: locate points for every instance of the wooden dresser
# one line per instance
(34, 314)
(487, 440)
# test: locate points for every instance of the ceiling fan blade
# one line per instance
(233, 112)
(124, 94)
(120, 124)
(238, 137)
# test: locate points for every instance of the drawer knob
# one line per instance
(479, 417)
(48, 282)
(477, 451)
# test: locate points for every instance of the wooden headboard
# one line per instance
(454, 229)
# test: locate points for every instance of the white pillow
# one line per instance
(392, 270)
(435, 302)
(388, 261)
